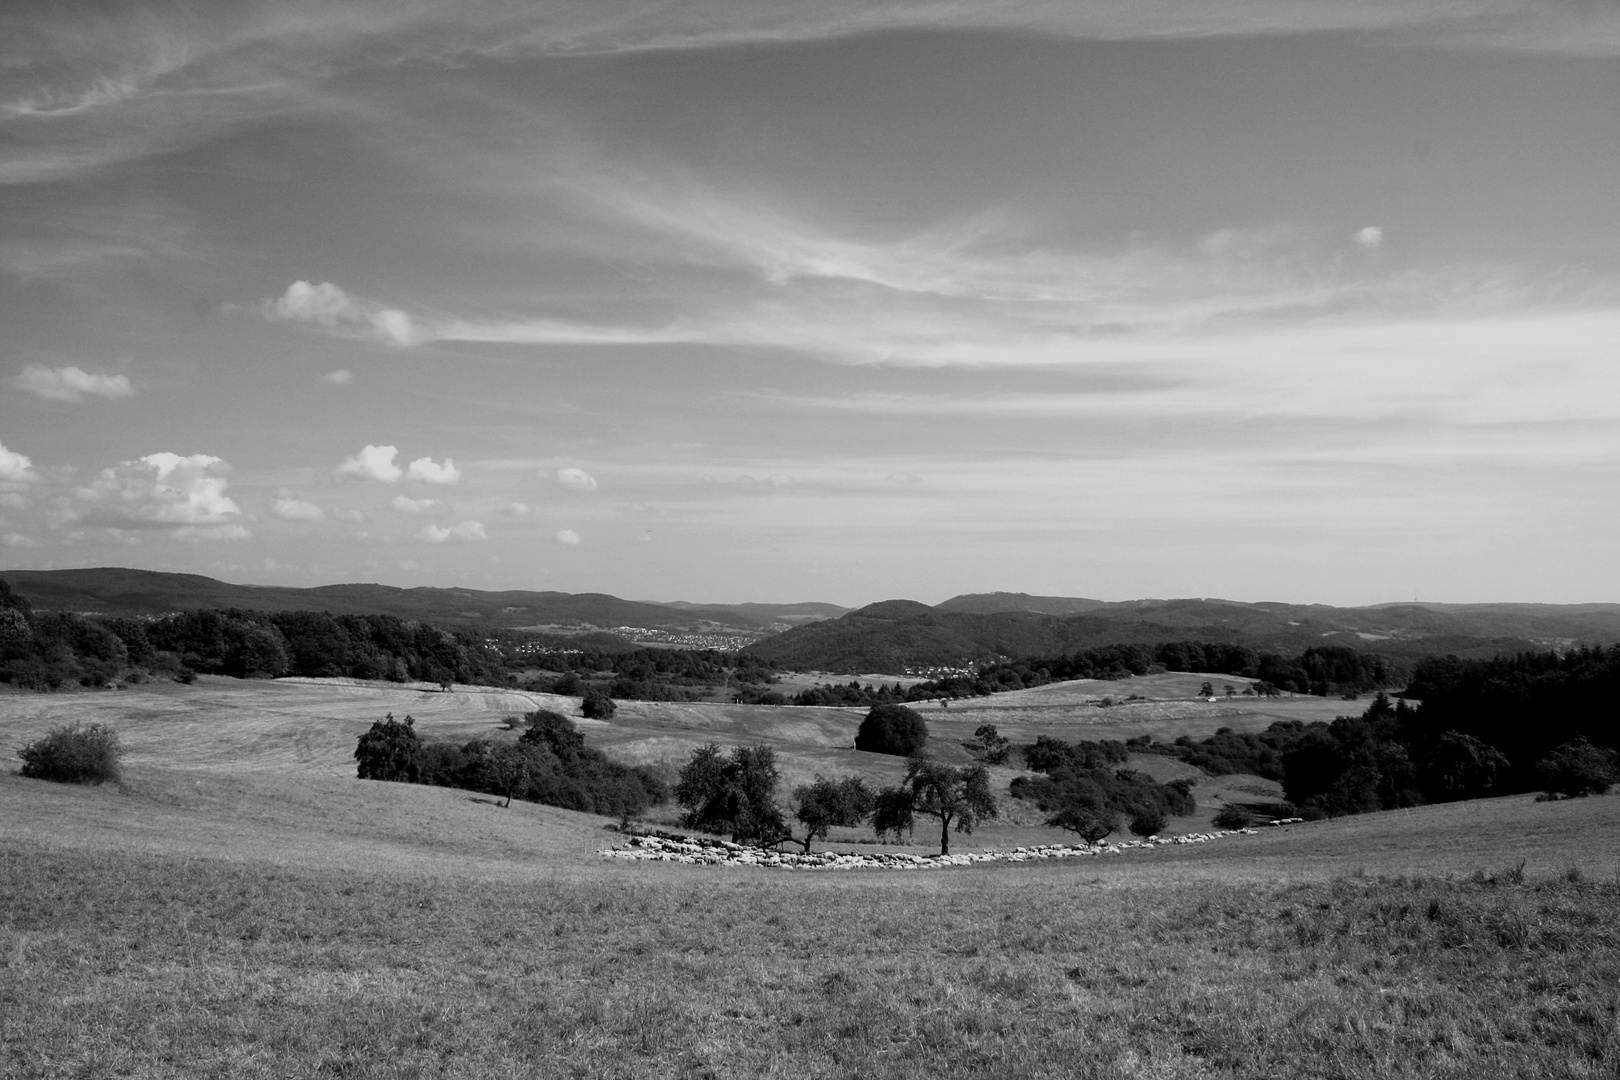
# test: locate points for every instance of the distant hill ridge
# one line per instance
(896, 635)
(121, 591)
(889, 635)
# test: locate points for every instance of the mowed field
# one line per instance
(242, 906)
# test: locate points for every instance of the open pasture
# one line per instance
(242, 906)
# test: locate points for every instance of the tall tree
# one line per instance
(825, 803)
(952, 795)
(735, 794)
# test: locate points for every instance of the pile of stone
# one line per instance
(667, 847)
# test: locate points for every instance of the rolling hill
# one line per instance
(896, 635)
(119, 591)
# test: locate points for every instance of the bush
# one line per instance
(1233, 817)
(892, 729)
(1148, 821)
(1577, 768)
(597, 706)
(74, 755)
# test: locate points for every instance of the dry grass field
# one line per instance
(242, 906)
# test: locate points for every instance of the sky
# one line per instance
(748, 300)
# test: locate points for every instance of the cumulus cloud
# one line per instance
(425, 470)
(1371, 238)
(187, 491)
(373, 463)
(16, 468)
(567, 536)
(72, 383)
(329, 306)
(518, 510)
(290, 509)
(340, 377)
(578, 479)
(18, 540)
(466, 531)
(414, 506)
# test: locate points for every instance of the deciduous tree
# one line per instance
(952, 795)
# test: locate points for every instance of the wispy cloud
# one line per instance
(290, 509)
(465, 532)
(405, 505)
(81, 90)
(72, 383)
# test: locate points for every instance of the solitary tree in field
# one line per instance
(391, 750)
(892, 729)
(952, 795)
(825, 803)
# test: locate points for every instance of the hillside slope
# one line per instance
(121, 591)
(897, 635)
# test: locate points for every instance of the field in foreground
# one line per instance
(213, 918)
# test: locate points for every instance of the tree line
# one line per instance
(1320, 670)
(549, 763)
(1534, 721)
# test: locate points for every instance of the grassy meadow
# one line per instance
(241, 906)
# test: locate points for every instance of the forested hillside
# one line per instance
(901, 635)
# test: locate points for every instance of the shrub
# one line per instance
(597, 706)
(1148, 821)
(1233, 817)
(892, 729)
(74, 755)
(1577, 768)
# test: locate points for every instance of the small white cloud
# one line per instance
(329, 306)
(567, 536)
(426, 470)
(197, 534)
(1371, 238)
(578, 479)
(467, 531)
(348, 515)
(518, 510)
(18, 540)
(289, 509)
(72, 383)
(373, 463)
(16, 467)
(415, 506)
(340, 377)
